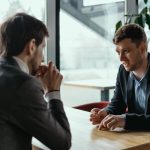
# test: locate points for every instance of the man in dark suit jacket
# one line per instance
(24, 112)
(130, 105)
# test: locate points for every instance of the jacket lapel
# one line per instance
(130, 93)
(148, 88)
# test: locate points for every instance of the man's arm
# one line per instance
(45, 121)
(117, 105)
(137, 121)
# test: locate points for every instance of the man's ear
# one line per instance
(143, 47)
(31, 47)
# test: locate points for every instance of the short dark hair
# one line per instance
(18, 30)
(132, 31)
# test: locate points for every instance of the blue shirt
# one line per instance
(140, 94)
(140, 87)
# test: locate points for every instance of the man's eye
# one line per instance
(126, 51)
(117, 52)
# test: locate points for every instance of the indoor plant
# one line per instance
(142, 18)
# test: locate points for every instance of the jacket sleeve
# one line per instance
(137, 122)
(117, 105)
(45, 121)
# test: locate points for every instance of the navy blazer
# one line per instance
(24, 112)
(124, 97)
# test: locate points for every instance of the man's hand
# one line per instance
(97, 115)
(112, 122)
(50, 77)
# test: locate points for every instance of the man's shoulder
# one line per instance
(13, 75)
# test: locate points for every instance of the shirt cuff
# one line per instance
(52, 95)
(124, 117)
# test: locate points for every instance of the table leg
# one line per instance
(104, 95)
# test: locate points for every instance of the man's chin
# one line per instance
(127, 68)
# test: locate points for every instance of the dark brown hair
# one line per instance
(18, 30)
(131, 31)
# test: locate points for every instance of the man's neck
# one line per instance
(23, 66)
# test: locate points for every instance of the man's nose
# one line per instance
(121, 57)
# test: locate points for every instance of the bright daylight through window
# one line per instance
(86, 49)
(10, 7)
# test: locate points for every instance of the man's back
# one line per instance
(23, 110)
(12, 137)
(24, 113)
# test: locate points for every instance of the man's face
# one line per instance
(37, 58)
(130, 55)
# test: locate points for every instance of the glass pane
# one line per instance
(86, 49)
(10, 7)
(96, 2)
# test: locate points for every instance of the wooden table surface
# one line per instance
(85, 136)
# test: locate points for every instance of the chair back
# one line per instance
(89, 106)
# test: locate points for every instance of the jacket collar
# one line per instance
(9, 61)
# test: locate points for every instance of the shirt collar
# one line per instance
(144, 76)
(22, 64)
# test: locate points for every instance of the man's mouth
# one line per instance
(125, 64)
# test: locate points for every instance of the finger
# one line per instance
(114, 126)
(42, 70)
(107, 121)
(111, 123)
(100, 127)
(102, 122)
(96, 120)
(50, 69)
(59, 78)
(50, 64)
(95, 117)
(95, 110)
(94, 123)
(103, 129)
(91, 115)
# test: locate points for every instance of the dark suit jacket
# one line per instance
(24, 113)
(124, 98)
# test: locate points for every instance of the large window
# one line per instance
(86, 48)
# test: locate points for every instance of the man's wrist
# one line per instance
(49, 91)
(53, 95)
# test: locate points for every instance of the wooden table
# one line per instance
(85, 136)
(104, 85)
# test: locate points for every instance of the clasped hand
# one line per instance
(50, 77)
(106, 121)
